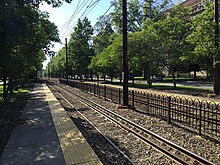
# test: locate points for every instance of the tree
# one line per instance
(36, 3)
(202, 37)
(56, 67)
(172, 32)
(108, 62)
(155, 9)
(25, 32)
(81, 51)
(104, 32)
(144, 50)
(135, 15)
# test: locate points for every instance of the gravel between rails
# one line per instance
(138, 151)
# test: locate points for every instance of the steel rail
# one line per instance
(138, 131)
(110, 142)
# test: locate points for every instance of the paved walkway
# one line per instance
(45, 135)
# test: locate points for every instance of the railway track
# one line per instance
(197, 115)
(175, 152)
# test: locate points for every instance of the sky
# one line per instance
(61, 15)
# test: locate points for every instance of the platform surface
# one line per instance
(46, 135)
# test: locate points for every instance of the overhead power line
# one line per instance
(77, 10)
(88, 9)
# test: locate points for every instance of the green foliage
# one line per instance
(134, 12)
(202, 37)
(80, 49)
(172, 31)
(80, 52)
(109, 60)
(155, 9)
(143, 53)
(26, 35)
(103, 38)
(57, 66)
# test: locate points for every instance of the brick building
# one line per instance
(197, 6)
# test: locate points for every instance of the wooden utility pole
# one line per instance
(125, 56)
(66, 61)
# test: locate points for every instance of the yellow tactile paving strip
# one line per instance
(75, 148)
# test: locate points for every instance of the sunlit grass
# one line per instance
(139, 78)
(14, 100)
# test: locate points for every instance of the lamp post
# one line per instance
(125, 57)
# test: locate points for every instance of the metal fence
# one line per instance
(202, 116)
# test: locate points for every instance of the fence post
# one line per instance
(94, 89)
(148, 106)
(98, 90)
(169, 110)
(111, 94)
(105, 92)
(119, 96)
(200, 119)
(133, 100)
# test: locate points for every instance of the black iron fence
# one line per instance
(202, 116)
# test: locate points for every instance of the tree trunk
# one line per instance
(194, 75)
(36, 76)
(98, 79)
(5, 93)
(91, 76)
(145, 73)
(10, 85)
(174, 79)
(111, 79)
(149, 81)
(16, 84)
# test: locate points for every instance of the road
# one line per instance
(196, 84)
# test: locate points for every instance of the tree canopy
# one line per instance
(26, 36)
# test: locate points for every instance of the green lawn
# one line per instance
(10, 111)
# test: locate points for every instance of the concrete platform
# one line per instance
(46, 135)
